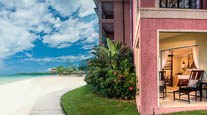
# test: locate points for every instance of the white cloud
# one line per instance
(28, 54)
(19, 17)
(33, 16)
(60, 59)
(15, 35)
(67, 7)
(13, 39)
(70, 32)
(86, 47)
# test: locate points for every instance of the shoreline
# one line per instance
(25, 77)
(6, 80)
(18, 97)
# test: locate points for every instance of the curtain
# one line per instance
(196, 56)
(164, 58)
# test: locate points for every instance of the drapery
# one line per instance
(164, 58)
(196, 56)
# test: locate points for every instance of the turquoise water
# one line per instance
(11, 78)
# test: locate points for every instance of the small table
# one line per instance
(201, 87)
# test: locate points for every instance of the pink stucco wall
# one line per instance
(118, 21)
(135, 14)
(204, 4)
(127, 23)
(136, 35)
(148, 67)
(147, 3)
(148, 63)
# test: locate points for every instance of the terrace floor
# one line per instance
(169, 100)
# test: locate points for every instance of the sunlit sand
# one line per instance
(18, 98)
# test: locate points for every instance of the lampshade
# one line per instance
(183, 65)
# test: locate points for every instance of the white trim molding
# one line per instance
(173, 13)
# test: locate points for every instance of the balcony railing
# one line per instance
(184, 4)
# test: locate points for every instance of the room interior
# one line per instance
(178, 63)
(179, 54)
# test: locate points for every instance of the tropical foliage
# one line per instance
(112, 73)
(60, 69)
(82, 67)
(65, 70)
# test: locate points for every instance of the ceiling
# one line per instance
(182, 51)
(168, 35)
(108, 27)
(108, 8)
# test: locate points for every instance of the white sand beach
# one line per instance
(18, 98)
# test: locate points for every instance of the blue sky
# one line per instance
(36, 35)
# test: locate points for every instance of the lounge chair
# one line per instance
(162, 85)
(193, 85)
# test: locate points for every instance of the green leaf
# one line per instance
(112, 47)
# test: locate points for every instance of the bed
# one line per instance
(183, 77)
(177, 78)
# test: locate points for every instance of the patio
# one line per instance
(169, 100)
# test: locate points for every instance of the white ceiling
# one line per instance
(108, 8)
(168, 35)
(182, 51)
(108, 27)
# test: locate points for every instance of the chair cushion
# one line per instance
(192, 83)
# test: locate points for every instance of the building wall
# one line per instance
(118, 21)
(148, 61)
(148, 3)
(127, 23)
(136, 35)
(121, 21)
(122, 25)
(148, 65)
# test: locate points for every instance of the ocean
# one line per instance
(14, 77)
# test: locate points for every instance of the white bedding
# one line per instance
(183, 76)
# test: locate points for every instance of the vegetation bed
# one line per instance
(83, 101)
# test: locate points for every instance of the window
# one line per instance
(107, 32)
(107, 10)
(192, 4)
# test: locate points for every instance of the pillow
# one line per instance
(192, 83)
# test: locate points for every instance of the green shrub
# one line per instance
(112, 73)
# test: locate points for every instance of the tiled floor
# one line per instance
(169, 100)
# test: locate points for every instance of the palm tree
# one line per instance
(60, 69)
(111, 55)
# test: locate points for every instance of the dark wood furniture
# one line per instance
(186, 90)
(162, 85)
(201, 88)
(169, 67)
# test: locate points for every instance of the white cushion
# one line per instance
(192, 83)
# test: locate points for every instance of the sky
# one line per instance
(36, 35)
